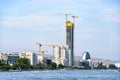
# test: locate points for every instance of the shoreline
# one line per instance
(55, 69)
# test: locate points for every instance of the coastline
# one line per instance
(54, 70)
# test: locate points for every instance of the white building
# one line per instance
(30, 55)
(41, 58)
(61, 55)
(86, 60)
(117, 65)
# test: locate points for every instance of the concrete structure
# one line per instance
(61, 55)
(70, 40)
(41, 58)
(30, 55)
(4, 57)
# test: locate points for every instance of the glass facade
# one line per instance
(12, 59)
(70, 41)
(86, 56)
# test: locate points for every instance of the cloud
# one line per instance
(111, 14)
(29, 22)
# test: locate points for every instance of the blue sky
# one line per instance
(25, 22)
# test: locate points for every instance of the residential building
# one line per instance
(12, 58)
(4, 57)
(9, 58)
(30, 55)
(61, 55)
(41, 58)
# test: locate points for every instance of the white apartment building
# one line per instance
(41, 58)
(30, 55)
(61, 55)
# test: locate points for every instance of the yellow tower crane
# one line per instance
(43, 51)
(40, 45)
(49, 45)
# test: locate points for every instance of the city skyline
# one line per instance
(25, 22)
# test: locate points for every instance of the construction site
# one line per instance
(61, 53)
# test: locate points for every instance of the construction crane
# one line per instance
(65, 15)
(40, 45)
(51, 45)
(53, 53)
(74, 18)
(43, 51)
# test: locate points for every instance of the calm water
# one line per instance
(62, 75)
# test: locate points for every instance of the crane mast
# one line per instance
(74, 18)
(65, 15)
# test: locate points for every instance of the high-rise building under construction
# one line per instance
(70, 41)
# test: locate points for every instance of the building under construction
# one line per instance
(64, 54)
(70, 41)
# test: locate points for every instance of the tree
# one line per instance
(4, 66)
(101, 66)
(22, 63)
(112, 66)
(52, 65)
(60, 66)
(40, 66)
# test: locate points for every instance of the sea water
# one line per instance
(62, 75)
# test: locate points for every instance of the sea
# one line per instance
(62, 75)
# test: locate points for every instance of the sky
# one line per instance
(97, 28)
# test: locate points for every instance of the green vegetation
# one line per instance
(101, 66)
(24, 64)
(112, 66)
(4, 66)
(87, 67)
(52, 66)
(60, 66)
(40, 66)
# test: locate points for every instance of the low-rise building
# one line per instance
(4, 57)
(40, 58)
(12, 58)
(9, 58)
(29, 55)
